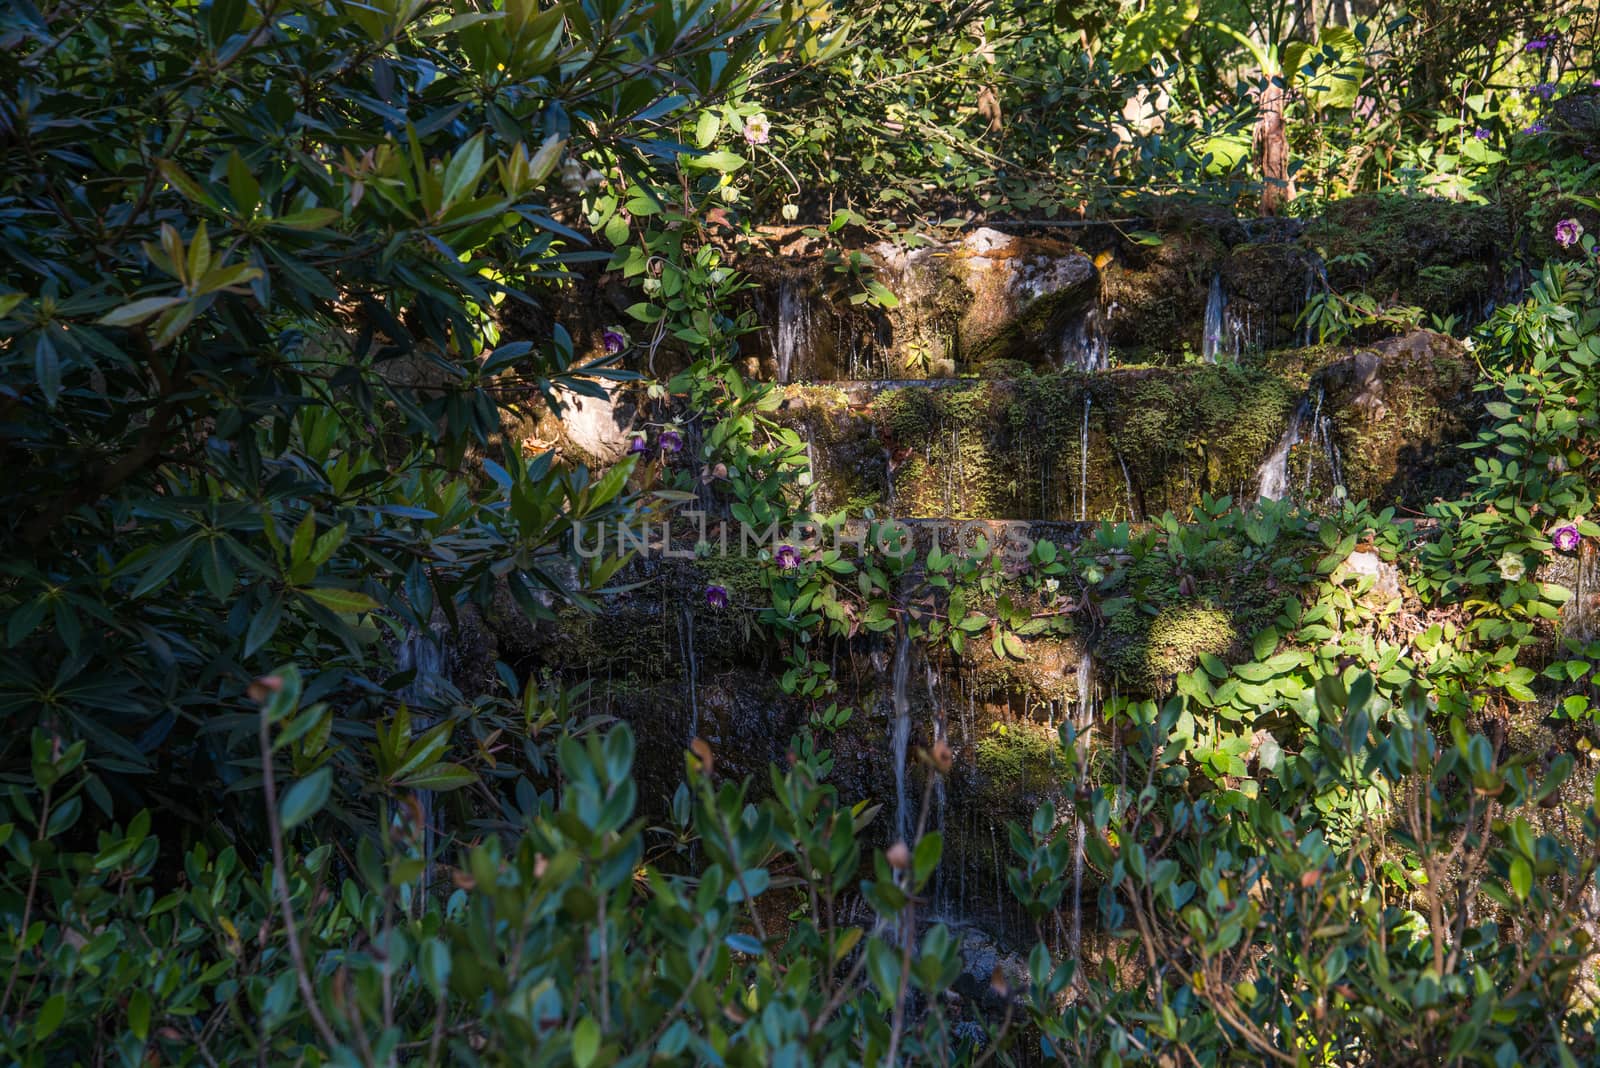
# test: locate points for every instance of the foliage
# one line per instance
(576, 942)
(273, 273)
(1285, 927)
(253, 350)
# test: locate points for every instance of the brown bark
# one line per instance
(1271, 148)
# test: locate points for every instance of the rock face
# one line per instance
(993, 302)
(1133, 443)
(964, 306)
(1399, 409)
(992, 296)
(600, 429)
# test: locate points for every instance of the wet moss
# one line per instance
(1014, 757)
(1156, 440)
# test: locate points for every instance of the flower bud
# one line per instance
(263, 688)
(899, 856)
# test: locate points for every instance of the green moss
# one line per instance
(1418, 250)
(1147, 652)
(1015, 757)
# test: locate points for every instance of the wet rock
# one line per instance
(981, 958)
(1432, 253)
(991, 295)
(1399, 410)
(1577, 113)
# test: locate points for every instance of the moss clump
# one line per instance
(1148, 653)
(1015, 757)
(1211, 600)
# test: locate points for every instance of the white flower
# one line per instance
(1512, 568)
(757, 129)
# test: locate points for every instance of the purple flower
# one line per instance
(1481, 134)
(716, 597)
(787, 558)
(614, 341)
(639, 446)
(1567, 232)
(1537, 127)
(1544, 90)
(671, 441)
(1566, 538)
(1538, 44)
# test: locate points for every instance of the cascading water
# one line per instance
(1083, 472)
(1083, 345)
(941, 893)
(1316, 282)
(691, 666)
(793, 334)
(901, 705)
(1133, 511)
(1272, 478)
(1215, 326)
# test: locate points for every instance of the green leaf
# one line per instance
(305, 798)
(441, 778)
(724, 161)
(50, 1016)
(339, 600)
(137, 312)
(1521, 877)
(585, 1042)
(139, 1014)
(706, 129)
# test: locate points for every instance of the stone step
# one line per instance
(989, 300)
(1135, 443)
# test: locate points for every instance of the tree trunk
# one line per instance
(1271, 145)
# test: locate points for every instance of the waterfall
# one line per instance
(1133, 512)
(1083, 345)
(1272, 478)
(1216, 308)
(902, 733)
(1083, 731)
(1083, 473)
(888, 483)
(1316, 280)
(1311, 458)
(794, 326)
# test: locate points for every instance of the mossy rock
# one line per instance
(1157, 294)
(1422, 251)
(1400, 412)
(1016, 757)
